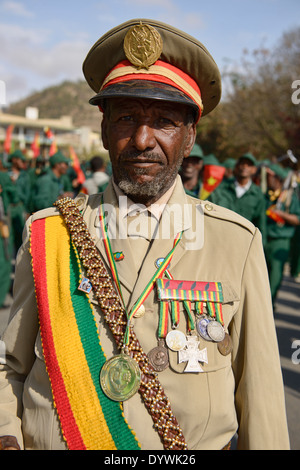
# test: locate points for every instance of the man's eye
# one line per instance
(127, 117)
(165, 122)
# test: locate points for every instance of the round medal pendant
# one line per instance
(215, 331)
(158, 358)
(201, 326)
(120, 377)
(176, 340)
(225, 346)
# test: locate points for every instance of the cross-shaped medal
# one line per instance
(193, 355)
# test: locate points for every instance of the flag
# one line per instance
(212, 177)
(53, 148)
(48, 133)
(76, 166)
(7, 142)
(35, 146)
(272, 214)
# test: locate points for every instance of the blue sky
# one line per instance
(44, 42)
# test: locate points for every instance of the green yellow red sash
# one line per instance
(71, 345)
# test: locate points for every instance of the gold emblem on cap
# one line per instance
(143, 45)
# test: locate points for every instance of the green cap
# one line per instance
(155, 60)
(229, 163)
(279, 171)
(211, 159)
(197, 152)
(58, 157)
(17, 154)
(250, 157)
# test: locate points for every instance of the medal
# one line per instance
(158, 357)
(85, 285)
(225, 346)
(193, 355)
(120, 377)
(176, 340)
(215, 331)
(201, 326)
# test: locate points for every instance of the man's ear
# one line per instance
(104, 132)
(190, 139)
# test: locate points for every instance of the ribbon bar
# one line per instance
(171, 289)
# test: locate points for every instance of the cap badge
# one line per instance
(143, 45)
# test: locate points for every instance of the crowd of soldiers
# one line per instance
(265, 192)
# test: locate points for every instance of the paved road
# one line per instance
(287, 320)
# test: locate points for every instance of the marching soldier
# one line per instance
(241, 195)
(52, 184)
(190, 171)
(283, 211)
(8, 196)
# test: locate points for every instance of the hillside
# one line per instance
(67, 99)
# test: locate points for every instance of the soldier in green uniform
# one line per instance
(283, 212)
(8, 195)
(53, 184)
(190, 171)
(20, 210)
(241, 195)
(34, 173)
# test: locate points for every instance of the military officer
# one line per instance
(142, 313)
(241, 195)
(52, 184)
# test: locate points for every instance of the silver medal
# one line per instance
(201, 326)
(216, 331)
(193, 355)
(176, 340)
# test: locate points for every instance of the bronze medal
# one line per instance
(158, 357)
(120, 377)
(225, 346)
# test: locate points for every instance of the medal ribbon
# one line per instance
(149, 287)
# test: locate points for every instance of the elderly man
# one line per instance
(142, 317)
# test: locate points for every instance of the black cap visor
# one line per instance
(144, 89)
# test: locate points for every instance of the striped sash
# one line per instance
(71, 345)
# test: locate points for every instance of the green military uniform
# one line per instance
(8, 196)
(250, 205)
(279, 235)
(48, 187)
(19, 211)
(295, 247)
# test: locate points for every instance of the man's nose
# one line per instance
(144, 137)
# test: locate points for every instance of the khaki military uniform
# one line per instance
(241, 392)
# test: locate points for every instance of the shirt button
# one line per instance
(208, 207)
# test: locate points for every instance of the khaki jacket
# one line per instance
(241, 392)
